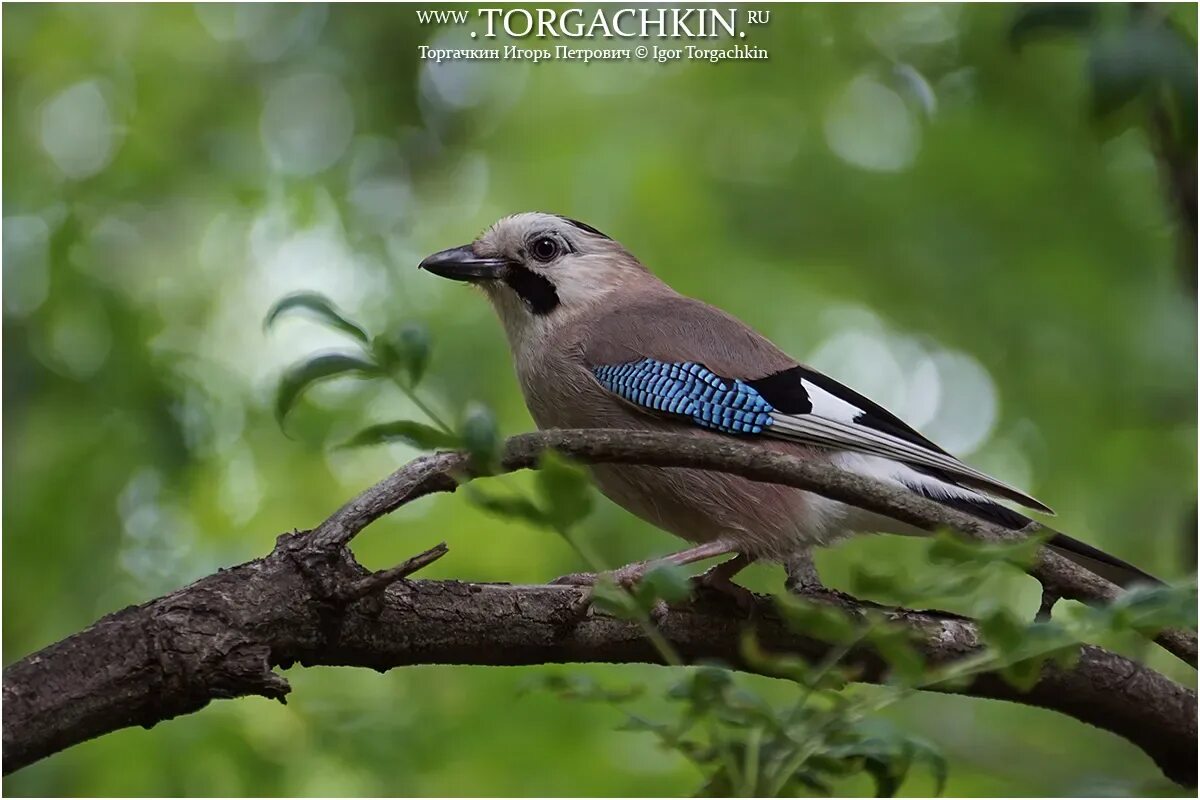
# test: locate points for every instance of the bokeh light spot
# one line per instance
(307, 123)
(77, 130)
(868, 125)
(26, 277)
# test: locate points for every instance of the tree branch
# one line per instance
(1059, 576)
(309, 602)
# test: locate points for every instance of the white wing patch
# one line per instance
(828, 405)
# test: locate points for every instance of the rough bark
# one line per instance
(309, 602)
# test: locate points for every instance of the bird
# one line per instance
(598, 341)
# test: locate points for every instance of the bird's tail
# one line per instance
(949, 493)
(1122, 573)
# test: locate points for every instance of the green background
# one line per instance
(898, 196)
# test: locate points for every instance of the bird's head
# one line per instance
(540, 269)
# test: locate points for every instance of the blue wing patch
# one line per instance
(690, 390)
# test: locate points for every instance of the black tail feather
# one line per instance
(1122, 573)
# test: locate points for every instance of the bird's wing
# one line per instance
(680, 357)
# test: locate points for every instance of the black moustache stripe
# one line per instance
(537, 292)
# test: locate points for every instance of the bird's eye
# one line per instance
(544, 249)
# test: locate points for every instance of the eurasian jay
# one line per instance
(600, 342)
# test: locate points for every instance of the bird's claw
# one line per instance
(658, 611)
(626, 577)
(716, 580)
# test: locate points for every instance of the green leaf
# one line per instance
(1149, 609)
(927, 752)
(506, 506)
(610, 599)
(481, 437)
(666, 582)
(704, 687)
(871, 581)
(891, 770)
(299, 377)
(411, 433)
(817, 620)
(887, 773)
(319, 307)
(950, 548)
(1066, 657)
(405, 351)
(791, 667)
(564, 490)
(1039, 19)
(895, 645)
(1025, 648)
(1002, 630)
(1023, 675)
(886, 754)
(1140, 60)
(805, 781)
(639, 724)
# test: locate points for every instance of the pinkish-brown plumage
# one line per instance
(572, 300)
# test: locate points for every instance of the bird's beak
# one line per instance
(461, 264)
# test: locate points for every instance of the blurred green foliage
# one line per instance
(898, 196)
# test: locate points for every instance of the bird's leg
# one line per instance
(802, 574)
(718, 578)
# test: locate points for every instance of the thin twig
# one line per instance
(378, 581)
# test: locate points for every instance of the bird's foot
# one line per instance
(717, 580)
(802, 577)
(626, 577)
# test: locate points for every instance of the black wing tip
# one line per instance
(1037, 505)
(997, 489)
(1122, 572)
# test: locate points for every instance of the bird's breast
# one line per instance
(559, 390)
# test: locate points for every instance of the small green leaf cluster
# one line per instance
(402, 356)
(562, 497)
(562, 494)
(745, 745)
(1146, 610)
